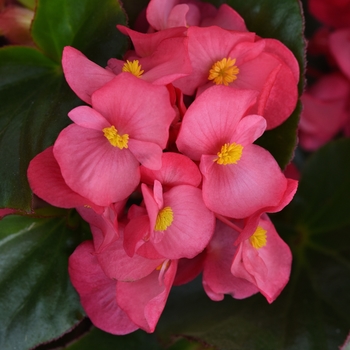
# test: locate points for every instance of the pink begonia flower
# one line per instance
(339, 43)
(264, 260)
(217, 277)
(240, 60)
(325, 111)
(46, 181)
(180, 225)
(239, 177)
(128, 124)
(177, 169)
(334, 13)
(144, 300)
(97, 292)
(159, 58)
(177, 13)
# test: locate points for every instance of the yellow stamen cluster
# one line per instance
(133, 67)
(258, 239)
(223, 72)
(116, 140)
(164, 219)
(229, 154)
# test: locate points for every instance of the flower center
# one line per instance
(229, 154)
(116, 140)
(164, 219)
(133, 67)
(223, 72)
(258, 239)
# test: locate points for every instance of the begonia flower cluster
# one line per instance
(161, 162)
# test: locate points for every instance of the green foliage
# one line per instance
(37, 300)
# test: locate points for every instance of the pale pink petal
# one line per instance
(192, 227)
(202, 131)
(148, 154)
(176, 169)
(117, 265)
(138, 108)
(95, 169)
(276, 258)
(158, 12)
(146, 44)
(252, 222)
(82, 75)
(137, 232)
(87, 117)
(144, 308)
(226, 18)
(206, 47)
(169, 61)
(249, 129)
(217, 277)
(238, 190)
(97, 292)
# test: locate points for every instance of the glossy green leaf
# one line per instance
(35, 102)
(323, 200)
(37, 300)
(313, 312)
(87, 25)
(35, 98)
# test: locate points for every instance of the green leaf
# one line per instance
(37, 300)
(35, 102)
(30, 4)
(34, 95)
(323, 198)
(313, 312)
(87, 25)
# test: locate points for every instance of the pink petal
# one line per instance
(176, 169)
(46, 181)
(276, 258)
(192, 226)
(158, 12)
(97, 292)
(226, 18)
(117, 265)
(339, 42)
(88, 118)
(144, 300)
(238, 190)
(136, 107)
(217, 277)
(95, 169)
(207, 46)
(148, 154)
(202, 131)
(146, 44)
(82, 75)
